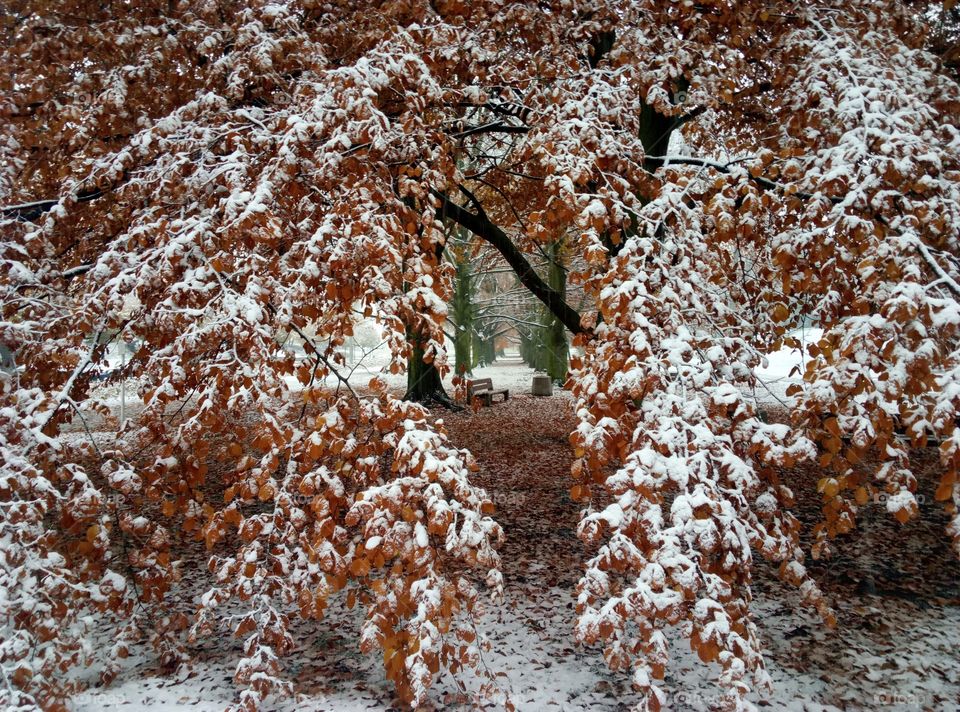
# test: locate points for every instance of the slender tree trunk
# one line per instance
(533, 347)
(557, 348)
(526, 347)
(490, 349)
(463, 316)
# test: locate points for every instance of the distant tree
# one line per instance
(463, 308)
(202, 176)
(557, 348)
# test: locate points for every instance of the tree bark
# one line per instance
(424, 384)
(558, 351)
(463, 313)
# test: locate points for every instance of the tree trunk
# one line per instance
(463, 316)
(557, 348)
(533, 346)
(483, 350)
(424, 384)
(526, 346)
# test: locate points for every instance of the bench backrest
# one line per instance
(480, 384)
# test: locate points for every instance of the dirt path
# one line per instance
(525, 459)
(524, 454)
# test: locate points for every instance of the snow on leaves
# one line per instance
(217, 181)
(677, 538)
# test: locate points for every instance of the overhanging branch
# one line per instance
(463, 131)
(727, 168)
(482, 227)
(28, 212)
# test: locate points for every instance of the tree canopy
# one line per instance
(207, 177)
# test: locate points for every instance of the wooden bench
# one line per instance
(483, 389)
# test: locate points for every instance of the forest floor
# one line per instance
(896, 590)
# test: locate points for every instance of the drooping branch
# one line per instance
(727, 168)
(28, 212)
(754, 90)
(781, 188)
(481, 226)
(464, 131)
(932, 263)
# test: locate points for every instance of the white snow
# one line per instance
(538, 665)
(785, 367)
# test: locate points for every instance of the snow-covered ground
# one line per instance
(783, 368)
(813, 669)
